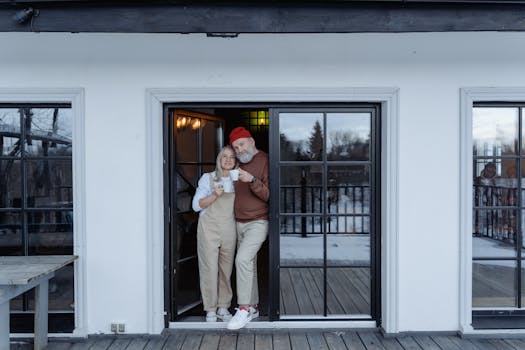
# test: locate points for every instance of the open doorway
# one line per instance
(321, 260)
(194, 137)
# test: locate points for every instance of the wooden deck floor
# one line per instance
(278, 340)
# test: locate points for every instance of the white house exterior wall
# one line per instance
(115, 70)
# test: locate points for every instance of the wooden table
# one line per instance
(18, 274)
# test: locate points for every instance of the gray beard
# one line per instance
(245, 157)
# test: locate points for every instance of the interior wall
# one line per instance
(116, 69)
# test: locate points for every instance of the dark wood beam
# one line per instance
(333, 17)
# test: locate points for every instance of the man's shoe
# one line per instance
(223, 314)
(254, 312)
(211, 316)
(241, 318)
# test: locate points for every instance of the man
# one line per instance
(251, 216)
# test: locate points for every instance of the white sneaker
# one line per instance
(241, 318)
(224, 314)
(211, 316)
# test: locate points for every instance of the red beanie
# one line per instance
(239, 133)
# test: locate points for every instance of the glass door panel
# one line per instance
(195, 140)
(325, 186)
(498, 204)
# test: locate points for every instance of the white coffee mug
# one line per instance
(227, 186)
(234, 174)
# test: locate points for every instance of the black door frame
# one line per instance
(274, 254)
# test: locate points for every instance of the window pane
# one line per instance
(9, 132)
(49, 183)
(494, 131)
(347, 249)
(50, 232)
(301, 291)
(11, 234)
(186, 136)
(348, 291)
(301, 136)
(61, 291)
(348, 189)
(493, 283)
(301, 189)
(188, 286)
(494, 233)
(301, 242)
(348, 224)
(48, 131)
(348, 136)
(211, 140)
(10, 183)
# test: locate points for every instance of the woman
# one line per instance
(216, 236)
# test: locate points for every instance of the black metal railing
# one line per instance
(347, 209)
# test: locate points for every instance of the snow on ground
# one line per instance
(342, 249)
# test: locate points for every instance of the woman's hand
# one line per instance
(219, 190)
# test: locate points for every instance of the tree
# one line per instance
(315, 142)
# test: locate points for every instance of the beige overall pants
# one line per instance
(216, 240)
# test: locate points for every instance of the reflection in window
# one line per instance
(497, 178)
(301, 136)
(348, 136)
(36, 197)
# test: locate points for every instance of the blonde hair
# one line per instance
(218, 167)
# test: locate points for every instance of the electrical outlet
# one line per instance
(121, 327)
(114, 327)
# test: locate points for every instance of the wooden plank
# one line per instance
(15, 270)
(483, 344)
(301, 292)
(120, 344)
(210, 342)
(463, 344)
(138, 343)
(299, 341)
(444, 342)
(192, 341)
(334, 341)
(408, 343)
(516, 343)
(157, 343)
(228, 342)
(500, 344)
(314, 293)
(426, 342)
(315, 17)
(174, 341)
(82, 345)
(316, 341)
(245, 341)
(371, 341)
(353, 341)
(263, 341)
(281, 341)
(289, 306)
(102, 344)
(346, 294)
(390, 343)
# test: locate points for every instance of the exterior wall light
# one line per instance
(23, 16)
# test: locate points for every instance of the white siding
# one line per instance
(115, 71)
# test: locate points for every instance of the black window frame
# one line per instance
(22, 321)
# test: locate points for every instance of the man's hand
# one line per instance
(245, 176)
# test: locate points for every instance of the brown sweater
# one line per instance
(251, 200)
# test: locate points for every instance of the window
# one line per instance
(36, 201)
(498, 210)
